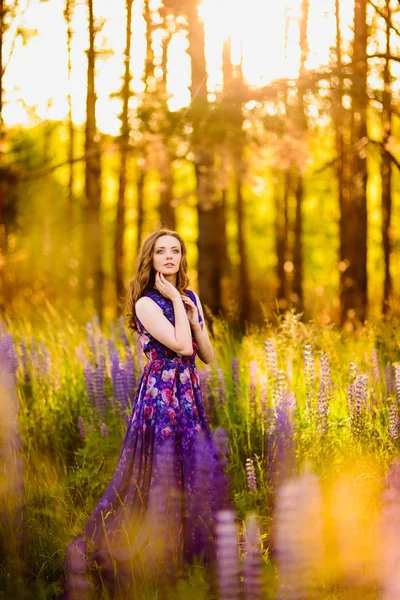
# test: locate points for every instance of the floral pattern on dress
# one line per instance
(167, 409)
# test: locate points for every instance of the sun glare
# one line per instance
(264, 36)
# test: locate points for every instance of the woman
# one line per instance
(158, 509)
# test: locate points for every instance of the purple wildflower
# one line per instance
(46, 360)
(253, 389)
(271, 360)
(280, 441)
(251, 474)
(221, 387)
(396, 366)
(388, 556)
(99, 378)
(221, 441)
(25, 362)
(235, 377)
(390, 387)
(263, 399)
(375, 366)
(324, 395)
(309, 376)
(89, 382)
(82, 428)
(394, 423)
(8, 354)
(227, 555)
(91, 338)
(103, 430)
(297, 538)
(207, 394)
(253, 589)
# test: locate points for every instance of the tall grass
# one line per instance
(306, 420)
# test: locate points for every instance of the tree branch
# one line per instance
(385, 17)
(385, 56)
(383, 148)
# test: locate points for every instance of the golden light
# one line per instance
(264, 32)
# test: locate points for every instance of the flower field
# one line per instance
(306, 421)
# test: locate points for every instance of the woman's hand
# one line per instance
(165, 287)
(192, 312)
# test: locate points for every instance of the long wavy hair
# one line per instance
(145, 276)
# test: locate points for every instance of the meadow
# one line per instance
(306, 418)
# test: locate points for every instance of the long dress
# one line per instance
(158, 509)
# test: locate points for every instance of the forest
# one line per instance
(287, 191)
(267, 134)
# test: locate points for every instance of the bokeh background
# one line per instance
(266, 133)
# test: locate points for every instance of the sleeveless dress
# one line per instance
(158, 509)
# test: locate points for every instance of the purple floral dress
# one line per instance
(159, 506)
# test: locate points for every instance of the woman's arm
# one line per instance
(178, 338)
(205, 348)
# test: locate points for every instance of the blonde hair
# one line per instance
(144, 278)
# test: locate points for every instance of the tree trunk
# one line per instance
(386, 171)
(354, 278)
(209, 209)
(92, 236)
(297, 296)
(140, 204)
(282, 234)
(244, 283)
(69, 5)
(166, 208)
(124, 148)
(3, 179)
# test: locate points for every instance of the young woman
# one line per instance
(158, 509)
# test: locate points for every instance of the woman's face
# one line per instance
(167, 255)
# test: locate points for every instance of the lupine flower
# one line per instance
(8, 354)
(252, 560)
(82, 428)
(120, 392)
(206, 391)
(163, 513)
(99, 379)
(271, 359)
(235, 377)
(388, 568)
(91, 338)
(309, 376)
(324, 395)
(103, 430)
(280, 440)
(46, 360)
(221, 441)
(253, 388)
(89, 382)
(394, 424)
(263, 398)
(281, 387)
(227, 555)
(390, 387)
(359, 405)
(251, 474)
(397, 379)
(375, 366)
(25, 363)
(221, 387)
(297, 537)
(130, 377)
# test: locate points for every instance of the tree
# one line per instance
(298, 275)
(208, 206)
(124, 149)
(93, 275)
(386, 166)
(353, 290)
